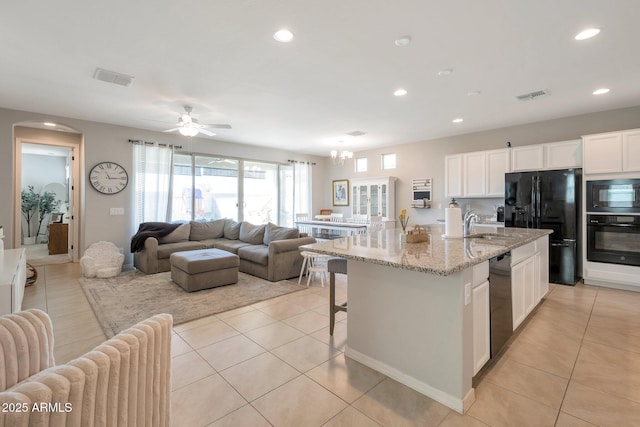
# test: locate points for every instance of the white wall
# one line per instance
(105, 142)
(421, 159)
(426, 159)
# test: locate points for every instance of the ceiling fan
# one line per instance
(189, 126)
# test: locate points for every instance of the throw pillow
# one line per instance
(253, 234)
(203, 230)
(231, 229)
(180, 234)
(275, 232)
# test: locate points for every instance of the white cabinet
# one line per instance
(527, 158)
(374, 197)
(13, 275)
(548, 156)
(563, 155)
(529, 277)
(453, 176)
(612, 152)
(476, 174)
(497, 165)
(481, 316)
(631, 151)
(603, 153)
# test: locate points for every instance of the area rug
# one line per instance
(123, 301)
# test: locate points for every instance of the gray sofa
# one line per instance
(267, 251)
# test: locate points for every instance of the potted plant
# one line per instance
(46, 206)
(30, 200)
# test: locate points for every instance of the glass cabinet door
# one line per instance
(354, 200)
(383, 200)
(374, 200)
(363, 199)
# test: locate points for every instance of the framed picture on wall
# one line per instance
(341, 192)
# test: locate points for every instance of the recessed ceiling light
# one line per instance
(49, 124)
(283, 35)
(400, 92)
(474, 93)
(587, 34)
(458, 120)
(601, 91)
(403, 41)
(445, 72)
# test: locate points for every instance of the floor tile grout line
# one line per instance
(564, 395)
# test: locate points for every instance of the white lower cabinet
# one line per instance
(481, 326)
(481, 316)
(529, 278)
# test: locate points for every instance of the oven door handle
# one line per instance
(614, 225)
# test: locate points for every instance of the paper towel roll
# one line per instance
(453, 222)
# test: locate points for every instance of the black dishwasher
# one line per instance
(500, 301)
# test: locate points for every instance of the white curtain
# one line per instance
(153, 182)
(302, 188)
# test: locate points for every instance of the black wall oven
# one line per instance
(613, 239)
(613, 196)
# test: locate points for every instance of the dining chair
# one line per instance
(304, 228)
(337, 217)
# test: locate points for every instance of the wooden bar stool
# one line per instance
(335, 265)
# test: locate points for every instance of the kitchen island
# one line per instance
(411, 313)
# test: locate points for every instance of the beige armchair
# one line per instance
(124, 381)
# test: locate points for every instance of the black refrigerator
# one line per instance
(551, 200)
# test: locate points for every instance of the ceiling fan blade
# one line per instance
(218, 126)
(170, 130)
(206, 132)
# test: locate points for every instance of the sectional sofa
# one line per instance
(268, 251)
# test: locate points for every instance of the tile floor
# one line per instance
(576, 362)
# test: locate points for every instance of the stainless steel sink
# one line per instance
(490, 236)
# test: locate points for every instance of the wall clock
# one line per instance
(108, 177)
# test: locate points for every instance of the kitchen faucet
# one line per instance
(469, 216)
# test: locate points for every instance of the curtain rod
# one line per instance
(302, 161)
(139, 141)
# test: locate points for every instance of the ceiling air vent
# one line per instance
(532, 95)
(356, 133)
(112, 77)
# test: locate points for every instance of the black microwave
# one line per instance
(614, 196)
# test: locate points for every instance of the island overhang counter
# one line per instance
(410, 312)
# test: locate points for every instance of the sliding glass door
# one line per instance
(260, 192)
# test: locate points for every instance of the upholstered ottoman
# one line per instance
(204, 269)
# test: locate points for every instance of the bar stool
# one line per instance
(313, 263)
(335, 265)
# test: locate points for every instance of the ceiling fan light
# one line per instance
(334, 154)
(188, 131)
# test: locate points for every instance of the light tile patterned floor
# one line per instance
(576, 362)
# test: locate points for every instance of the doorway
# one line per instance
(47, 167)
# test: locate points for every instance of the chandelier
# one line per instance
(340, 156)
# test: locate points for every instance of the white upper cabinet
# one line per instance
(475, 171)
(603, 153)
(563, 155)
(527, 158)
(497, 166)
(631, 151)
(453, 175)
(552, 155)
(476, 174)
(612, 152)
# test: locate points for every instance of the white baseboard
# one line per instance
(458, 405)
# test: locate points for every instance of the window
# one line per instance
(389, 161)
(361, 164)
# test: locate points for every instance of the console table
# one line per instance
(58, 238)
(13, 274)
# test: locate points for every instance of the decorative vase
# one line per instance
(403, 238)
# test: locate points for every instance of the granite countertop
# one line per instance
(438, 255)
